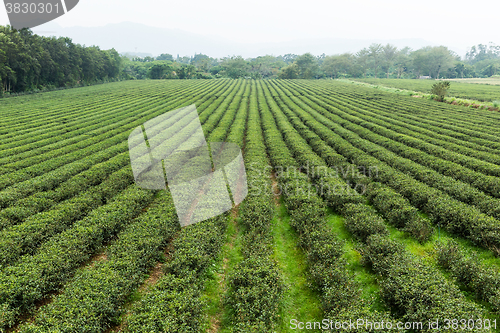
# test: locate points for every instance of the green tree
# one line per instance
(266, 66)
(307, 65)
(402, 61)
(375, 57)
(334, 66)
(362, 58)
(165, 56)
(289, 72)
(289, 58)
(440, 60)
(460, 68)
(235, 67)
(420, 61)
(389, 54)
(440, 89)
(157, 71)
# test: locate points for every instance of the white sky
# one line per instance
(451, 23)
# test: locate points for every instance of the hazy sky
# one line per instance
(456, 23)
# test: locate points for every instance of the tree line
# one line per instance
(29, 62)
(374, 61)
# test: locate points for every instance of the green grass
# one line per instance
(442, 236)
(474, 91)
(365, 277)
(427, 252)
(300, 302)
(215, 287)
(487, 81)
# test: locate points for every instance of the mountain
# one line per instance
(129, 37)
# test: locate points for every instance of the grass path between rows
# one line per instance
(300, 302)
(365, 277)
(216, 283)
(427, 251)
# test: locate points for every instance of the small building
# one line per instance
(424, 77)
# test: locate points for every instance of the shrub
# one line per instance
(399, 212)
(362, 221)
(440, 89)
(469, 271)
(255, 291)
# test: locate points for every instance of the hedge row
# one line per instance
(471, 124)
(455, 216)
(53, 178)
(104, 129)
(467, 127)
(35, 107)
(102, 141)
(363, 222)
(66, 123)
(42, 201)
(43, 150)
(468, 270)
(339, 293)
(255, 287)
(27, 237)
(414, 290)
(479, 179)
(41, 110)
(457, 189)
(232, 111)
(138, 246)
(378, 114)
(396, 209)
(173, 304)
(35, 277)
(398, 212)
(93, 300)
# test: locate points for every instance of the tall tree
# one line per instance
(375, 57)
(440, 60)
(420, 61)
(362, 58)
(402, 61)
(334, 66)
(235, 67)
(165, 56)
(389, 53)
(289, 72)
(307, 65)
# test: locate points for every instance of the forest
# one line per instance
(29, 62)
(32, 63)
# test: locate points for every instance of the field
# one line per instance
(362, 205)
(489, 80)
(461, 89)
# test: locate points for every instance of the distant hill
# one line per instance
(129, 37)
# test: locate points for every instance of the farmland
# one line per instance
(490, 80)
(362, 204)
(483, 90)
